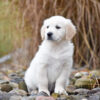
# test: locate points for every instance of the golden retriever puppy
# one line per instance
(53, 62)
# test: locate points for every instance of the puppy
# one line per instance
(53, 62)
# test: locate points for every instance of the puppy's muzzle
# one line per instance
(49, 36)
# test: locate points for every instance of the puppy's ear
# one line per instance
(70, 30)
(43, 32)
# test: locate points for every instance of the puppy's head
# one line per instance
(57, 28)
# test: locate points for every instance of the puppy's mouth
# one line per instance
(49, 38)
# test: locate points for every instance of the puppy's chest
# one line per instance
(55, 65)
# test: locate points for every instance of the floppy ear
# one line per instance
(43, 32)
(70, 30)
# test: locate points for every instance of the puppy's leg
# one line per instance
(61, 81)
(43, 80)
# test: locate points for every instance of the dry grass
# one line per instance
(85, 14)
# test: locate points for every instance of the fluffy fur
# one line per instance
(53, 62)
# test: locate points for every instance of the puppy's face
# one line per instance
(57, 28)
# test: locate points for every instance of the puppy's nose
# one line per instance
(49, 34)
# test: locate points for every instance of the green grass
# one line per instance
(10, 35)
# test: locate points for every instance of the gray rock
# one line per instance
(81, 91)
(14, 85)
(22, 85)
(6, 87)
(42, 94)
(29, 98)
(4, 82)
(94, 97)
(95, 90)
(70, 89)
(85, 83)
(19, 92)
(15, 97)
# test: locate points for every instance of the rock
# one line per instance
(19, 92)
(1, 76)
(6, 87)
(29, 98)
(16, 79)
(94, 97)
(81, 91)
(14, 85)
(4, 82)
(12, 75)
(22, 85)
(5, 95)
(95, 73)
(42, 94)
(15, 97)
(34, 92)
(70, 89)
(95, 90)
(80, 74)
(85, 83)
(62, 97)
(44, 98)
(55, 95)
(77, 97)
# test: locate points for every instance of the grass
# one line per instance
(10, 34)
(85, 14)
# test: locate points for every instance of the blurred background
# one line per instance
(20, 22)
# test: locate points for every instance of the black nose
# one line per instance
(49, 34)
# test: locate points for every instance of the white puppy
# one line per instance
(53, 62)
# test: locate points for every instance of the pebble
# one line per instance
(22, 85)
(6, 87)
(42, 94)
(44, 98)
(81, 91)
(80, 74)
(55, 95)
(15, 97)
(70, 89)
(14, 85)
(85, 83)
(18, 92)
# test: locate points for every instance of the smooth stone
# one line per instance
(6, 87)
(29, 98)
(34, 92)
(42, 94)
(70, 89)
(16, 79)
(22, 86)
(94, 97)
(5, 95)
(15, 97)
(44, 98)
(4, 82)
(81, 91)
(95, 90)
(55, 95)
(85, 83)
(62, 97)
(19, 92)
(80, 74)
(77, 97)
(95, 73)
(14, 85)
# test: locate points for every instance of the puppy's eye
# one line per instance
(58, 27)
(47, 26)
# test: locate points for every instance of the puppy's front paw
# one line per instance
(60, 90)
(45, 91)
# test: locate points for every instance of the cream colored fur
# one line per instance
(54, 59)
